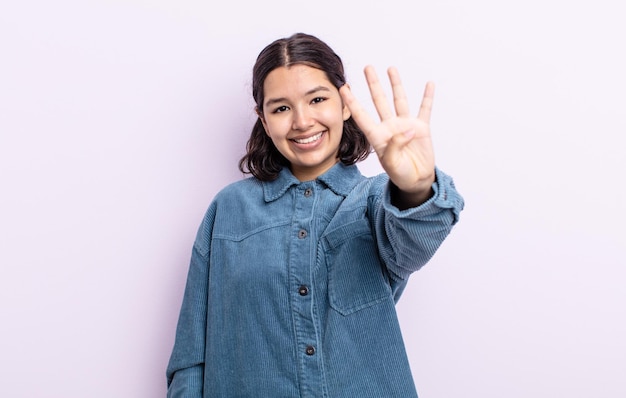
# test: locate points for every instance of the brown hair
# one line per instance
(262, 159)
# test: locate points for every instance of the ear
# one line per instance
(346, 111)
(259, 113)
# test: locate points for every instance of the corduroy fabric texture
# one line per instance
(292, 287)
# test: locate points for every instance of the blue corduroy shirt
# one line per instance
(292, 287)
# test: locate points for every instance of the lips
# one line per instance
(308, 140)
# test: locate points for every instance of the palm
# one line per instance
(401, 141)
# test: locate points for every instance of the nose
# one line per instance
(302, 119)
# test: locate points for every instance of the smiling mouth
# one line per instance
(310, 139)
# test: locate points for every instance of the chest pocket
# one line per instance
(356, 279)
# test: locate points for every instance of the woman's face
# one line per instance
(303, 114)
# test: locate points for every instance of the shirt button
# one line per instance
(308, 192)
(310, 350)
(303, 290)
(302, 234)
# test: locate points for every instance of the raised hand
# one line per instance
(401, 141)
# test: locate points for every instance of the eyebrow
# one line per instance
(311, 91)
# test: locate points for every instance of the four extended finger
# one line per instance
(380, 135)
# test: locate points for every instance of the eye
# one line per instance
(280, 109)
(317, 100)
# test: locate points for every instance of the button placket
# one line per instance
(304, 234)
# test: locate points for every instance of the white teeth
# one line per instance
(310, 139)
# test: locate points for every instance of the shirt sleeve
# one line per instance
(185, 370)
(407, 239)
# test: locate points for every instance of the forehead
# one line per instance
(294, 80)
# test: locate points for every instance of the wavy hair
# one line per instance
(262, 159)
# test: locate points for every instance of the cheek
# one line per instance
(336, 118)
(328, 116)
(276, 127)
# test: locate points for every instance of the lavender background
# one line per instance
(119, 121)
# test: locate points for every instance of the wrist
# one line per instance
(406, 199)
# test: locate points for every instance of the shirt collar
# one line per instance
(339, 178)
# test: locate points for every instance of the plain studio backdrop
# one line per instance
(119, 121)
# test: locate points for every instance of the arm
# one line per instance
(185, 371)
(407, 239)
(420, 205)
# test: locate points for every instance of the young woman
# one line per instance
(295, 271)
